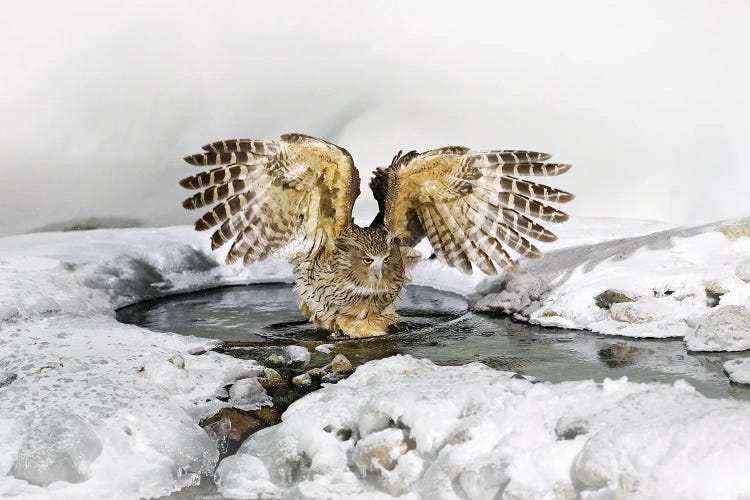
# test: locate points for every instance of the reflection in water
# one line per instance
(437, 325)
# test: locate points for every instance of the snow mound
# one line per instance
(738, 370)
(675, 276)
(403, 425)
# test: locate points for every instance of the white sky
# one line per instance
(100, 100)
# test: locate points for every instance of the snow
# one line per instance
(725, 329)
(85, 398)
(738, 370)
(403, 424)
(667, 272)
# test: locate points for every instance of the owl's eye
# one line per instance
(385, 259)
(367, 260)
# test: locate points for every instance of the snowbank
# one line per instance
(403, 425)
(90, 407)
(674, 278)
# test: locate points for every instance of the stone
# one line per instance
(316, 373)
(743, 271)
(178, 361)
(341, 365)
(629, 313)
(274, 361)
(736, 230)
(605, 299)
(332, 378)
(549, 313)
(379, 451)
(303, 381)
(271, 378)
(240, 424)
(725, 329)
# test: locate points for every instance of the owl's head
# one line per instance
(369, 258)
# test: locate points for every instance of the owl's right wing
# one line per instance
(270, 193)
(473, 206)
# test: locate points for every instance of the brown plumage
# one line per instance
(296, 195)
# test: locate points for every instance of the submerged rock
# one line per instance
(177, 360)
(605, 299)
(726, 329)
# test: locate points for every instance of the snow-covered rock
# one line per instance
(406, 425)
(296, 355)
(725, 329)
(665, 272)
(738, 370)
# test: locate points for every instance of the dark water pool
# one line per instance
(436, 325)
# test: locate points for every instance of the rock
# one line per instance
(341, 365)
(233, 425)
(324, 348)
(736, 230)
(59, 446)
(295, 355)
(617, 355)
(271, 378)
(605, 299)
(248, 392)
(629, 313)
(743, 271)
(332, 378)
(738, 370)
(316, 373)
(379, 451)
(714, 291)
(726, 329)
(549, 313)
(302, 381)
(274, 361)
(178, 361)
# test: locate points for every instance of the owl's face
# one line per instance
(369, 259)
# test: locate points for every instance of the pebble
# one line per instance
(341, 365)
(274, 361)
(605, 299)
(303, 381)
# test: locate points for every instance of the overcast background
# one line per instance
(100, 100)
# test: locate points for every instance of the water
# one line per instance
(436, 325)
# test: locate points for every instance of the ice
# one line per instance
(725, 329)
(738, 370)
(244, 476)
(59, 446)
(295, 355)
(402, 424)
(248, 394)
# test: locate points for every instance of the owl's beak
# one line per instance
(376, 270)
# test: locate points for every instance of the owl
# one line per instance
(294, 197)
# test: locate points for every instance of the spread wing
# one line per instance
(270, 193)
(473, 206)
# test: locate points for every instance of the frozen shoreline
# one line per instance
(70, 373)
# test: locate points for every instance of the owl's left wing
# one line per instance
(473, 206)
(270, 193)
